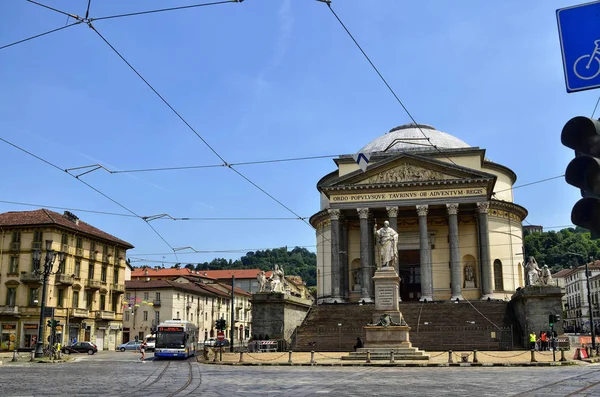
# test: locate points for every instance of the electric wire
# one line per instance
(56, 10)
(385, 81)
(531, 183)
(87, 11)
(39, 35)
(163, 10)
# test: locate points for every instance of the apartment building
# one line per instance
(577, 306)
(84, 291)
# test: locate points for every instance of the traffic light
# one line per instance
(220, 324)
(49, 323)
(53, 323)
(552, 319)
(582, 134)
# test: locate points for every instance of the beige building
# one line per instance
(84, 291)
(459, 232)
(148, 302)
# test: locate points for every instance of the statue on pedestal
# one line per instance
(387, 242)
(262, 280)
(546, 277)
(532, 272)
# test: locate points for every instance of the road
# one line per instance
(119, 374)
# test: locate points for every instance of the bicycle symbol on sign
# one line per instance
(585, 68)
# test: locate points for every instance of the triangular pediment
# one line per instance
(409, 169)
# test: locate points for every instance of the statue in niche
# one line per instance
(357, 280)
(469, 276)
(387, 242)
(546, 277)
(532, 272)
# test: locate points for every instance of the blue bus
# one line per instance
(176, 338)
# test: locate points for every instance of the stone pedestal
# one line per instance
(393, 336)
(387, 294)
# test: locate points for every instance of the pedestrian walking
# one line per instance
(143, 351)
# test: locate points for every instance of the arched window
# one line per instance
(498, 279)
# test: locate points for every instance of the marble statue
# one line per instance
(385, 320)
(262, 280)
(387, 242)
(277, 279)
(469, 273)
(532, 272)
(546, 275)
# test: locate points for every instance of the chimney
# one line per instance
(71, 216)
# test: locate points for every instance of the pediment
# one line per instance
(405, 172)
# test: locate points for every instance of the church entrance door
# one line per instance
(409, 270)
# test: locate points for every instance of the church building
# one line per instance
(459, 232)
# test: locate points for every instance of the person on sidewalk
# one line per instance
(143, 351)
(532, 340)
(544, 339)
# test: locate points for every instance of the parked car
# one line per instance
(131, 345)
(81, 347)
(210, 342)
(150, 342)
(222, 343)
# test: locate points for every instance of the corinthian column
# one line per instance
(365, 265)
(455, 273)
(334, 215)
(487, 283)
(393, 217)
(425, 248)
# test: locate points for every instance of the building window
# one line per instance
(64, 241)
(14, 265)
(146, 296)
(16, 237)
(103, 274)
(145, 315)
(156, 318)
(178, 315)
(79, 244)
(11, 296)
(178, 296)
(498, 279)
(116, 276)
(77, 271)
(114, 303)
(60, 298)
(102, 302)
(126, 316)
(92, 249)
(192, 317)
(157, 296)
(38, 237)
(75, 303)
(33, 296)
(62, 265)
(105, 253)
(91, 271)
(89, 300)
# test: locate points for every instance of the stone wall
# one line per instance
(277, 315)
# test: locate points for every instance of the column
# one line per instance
(455, 273)
(425, 248)
(344, 265)
(334, 215)
(487, 283)
(393, 217)
(365, 265)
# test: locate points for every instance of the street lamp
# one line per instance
(44, 274)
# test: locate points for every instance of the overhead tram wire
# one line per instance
(90, 186)
(595, 107)
(76, 17)
(68, 209)
(39, 35)
(531, 183)
(328, 2)
(131, 14)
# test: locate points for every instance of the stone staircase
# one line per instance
(435, 326)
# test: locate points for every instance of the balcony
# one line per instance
(30, 278)
(156, 302)
(9, 311)
(104, 315)
(93, 284)
(118, 287)
(65, 279)
(80, 313)
(15, 246)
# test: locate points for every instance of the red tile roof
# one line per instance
(561, 273)
(173, 272)
(44, 217)
(165, 284)
(238, 273)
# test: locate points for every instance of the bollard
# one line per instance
(32, 358)
(241, 356)
(312, 357)
(58, 354)
(533, 360)
(368, 356)
(392, 357)
(450, 357)
(215, 357)
(14, 356)
(475, 356)
(221, 354)
(290, 357)
(588, 350)
(562, 355)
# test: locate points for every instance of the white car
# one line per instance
(150, 342)
(210, 342)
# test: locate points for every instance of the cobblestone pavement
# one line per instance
(119, 374)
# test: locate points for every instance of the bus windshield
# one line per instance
(170, 340)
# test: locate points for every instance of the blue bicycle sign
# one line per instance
(579, 31)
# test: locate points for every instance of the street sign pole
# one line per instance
(579, 33)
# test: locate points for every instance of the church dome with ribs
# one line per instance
(413, 137)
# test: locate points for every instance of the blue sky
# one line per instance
(266, 80)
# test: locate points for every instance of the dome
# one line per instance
(408, 137)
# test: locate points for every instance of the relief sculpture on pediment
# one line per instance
(406, 173)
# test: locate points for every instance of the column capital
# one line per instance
(483, 207)
(334, 214)
(392, 211)
(422, 210)
(363, 213)
(452, 208)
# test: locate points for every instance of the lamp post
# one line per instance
(44, 274)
